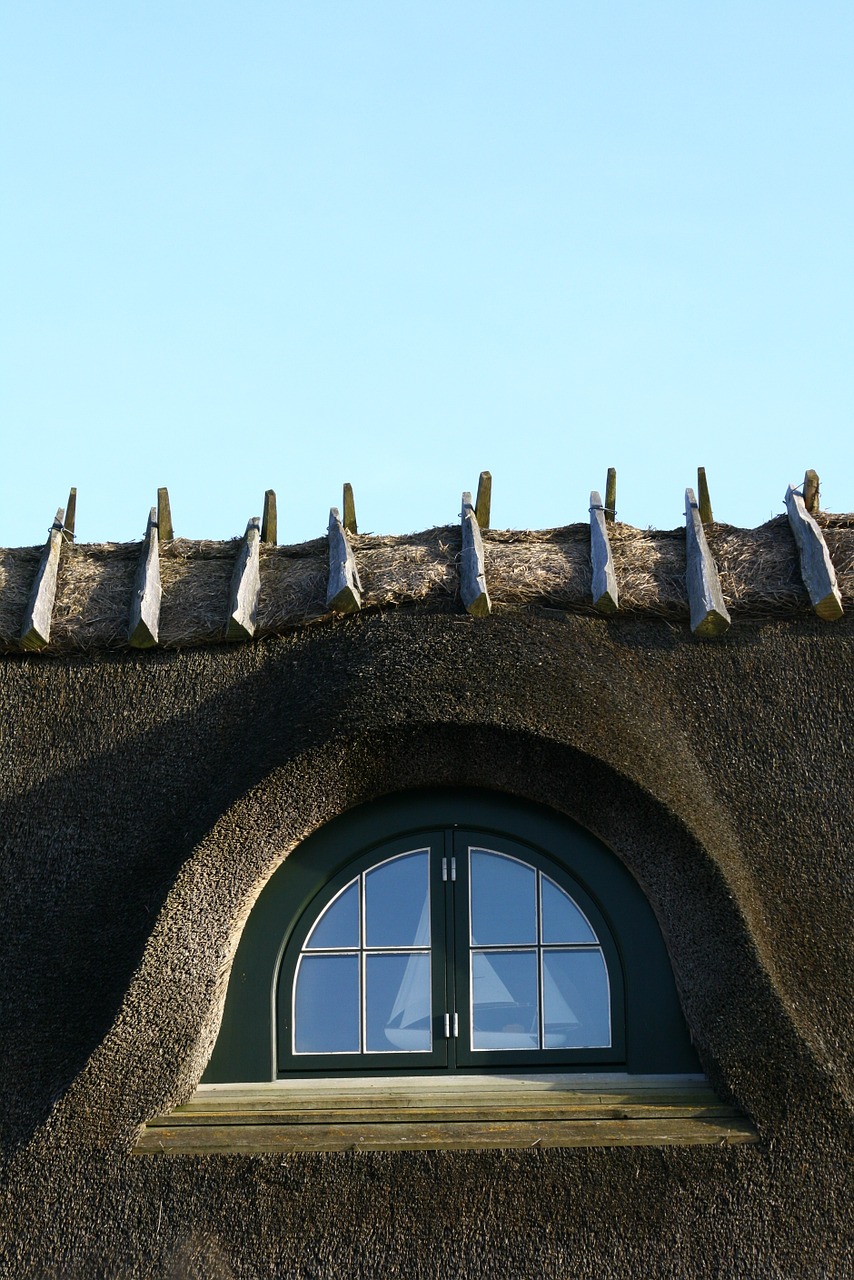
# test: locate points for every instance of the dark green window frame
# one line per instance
(649, 1034)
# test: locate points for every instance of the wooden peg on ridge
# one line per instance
(35, 632)
(269, 526)
(709, 614)
(344, 590)
(245, 586)
(605, 596)
(704, 502)
(70, 516)
(348, 507)
(611, 495)
(144, 621)
(483, 502)
(473, 590)
(165, 532)
(817, 571)
(811, 492)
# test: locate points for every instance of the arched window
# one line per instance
(454, 931)
(470, 950)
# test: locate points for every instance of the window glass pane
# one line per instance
(398, 1011)
(576, 1006)
(503, 900)
(339, 924)
(397, 903)
(562, 921)
(326, 1015)
(504, 1000)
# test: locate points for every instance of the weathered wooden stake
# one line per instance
(605, 596)
(611, 495)
(165, 531)
(705, 502)
(70, 516)
(245, 586)
(709, 614)
(144, 621)
(35, 632)
(269, 529)
(348, 506)
(344, 591)
(811, 492)
(483, 502)
(348, 510)
(817, 571)
(473, 590)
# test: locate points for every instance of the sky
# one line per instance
(275, 245)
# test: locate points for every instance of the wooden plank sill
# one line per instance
(447, 1113)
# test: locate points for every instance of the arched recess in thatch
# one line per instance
(677, 844)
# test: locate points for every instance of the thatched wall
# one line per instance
(147, 797)
(759, 574)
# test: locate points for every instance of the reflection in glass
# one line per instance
(397, 903)
(576, 1004)
(504, 1000)
(503, 900)
(562, 921)
(339, 924)
(397, 1015)
(326, 1005)
(538, 979)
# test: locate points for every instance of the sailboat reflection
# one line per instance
(505, 1009)
(409, 1025)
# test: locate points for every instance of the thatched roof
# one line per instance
(759, 575)
(147, 797)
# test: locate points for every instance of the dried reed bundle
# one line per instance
(551, 567)
(17, 570)
(650, 569)
(195, 577)
(412, 568)
(758, 568)
(293, 585)
(840, 544)
(93, 592)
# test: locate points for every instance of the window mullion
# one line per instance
(363, 976)
(451, 986)
(541, 1011)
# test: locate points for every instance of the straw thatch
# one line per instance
(195, 577)
(758, 568)
(409, 569)
(93, 595)
(17, 569)
(146, 800)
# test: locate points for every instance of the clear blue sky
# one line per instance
(279, 244)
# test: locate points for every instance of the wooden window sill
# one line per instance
(448, 1113)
